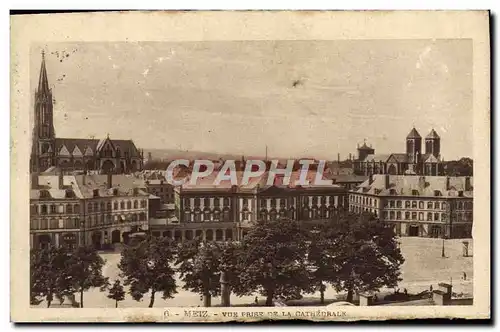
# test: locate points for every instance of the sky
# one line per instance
(300, 98)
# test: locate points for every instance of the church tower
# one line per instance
(43, 140)
(413, 146)
(433, 144)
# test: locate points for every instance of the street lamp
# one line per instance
(442, 248)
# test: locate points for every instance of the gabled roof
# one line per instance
(377, 157)
(429, 158)
(398, 157)
(94, 144)
(432, 134)
(414, 134)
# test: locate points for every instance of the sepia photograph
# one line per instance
(217, 179)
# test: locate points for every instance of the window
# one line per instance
(96, 207)
(443, 206)
(421, 216)
(444, 217)
(143, 203)
(76, 208)
(69, 209)
(96, 192)
(437, 193)
(420, 205)
(391, 204)
(122, 205)
(197, 215)
(460, 205)
(187, 216)
(136, 204)
(54, 224)
(44, 224)
(386, 214)
(398, 215)
(436, 205)
(414, 193)
(273, 215)
(206, 215)
(273, 203)
(413, 204)
(413, 216)
(226, 201)
(263, 215)
(52, 209)
(196, 202)
(407, 204)
(399, 204)
(429, 205)
(429, 216)
(216, 202)
(43, 209)
(392, 215)
(103, 206)
(129, 205)
(216, 215)
(436, 216)
(206, 201)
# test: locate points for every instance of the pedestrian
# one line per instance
(256, 300)
(465, 276)
(406, 291)
(430, 288)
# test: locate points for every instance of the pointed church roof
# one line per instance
(43, 81)
(414, 134)
(432, 134)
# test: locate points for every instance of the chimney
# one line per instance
(110, 180)
(387, 180)
(468, 187)
(61, 179)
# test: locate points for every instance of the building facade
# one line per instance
(224, 212)
(105, 155)
(412, 162)
(427, 206)
(74, 210)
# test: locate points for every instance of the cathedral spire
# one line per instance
(43, 81)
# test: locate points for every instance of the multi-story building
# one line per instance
(412, 162)
(85, 209)
(105, 155)
(224, 211)
(429, 206)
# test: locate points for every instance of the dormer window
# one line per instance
(460, 193)
(115, 192)
(69, 193)
(393, 192)
(414, 193)
(437, 193)
(44, 194)
(96, 192)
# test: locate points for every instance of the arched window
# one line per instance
(129, 205)
(108, 206)
(43, 209)
(136, 204)
(96, 207)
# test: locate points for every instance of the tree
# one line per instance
(367, 254)
(84, 269)
(116, 292)
(48, 275)
(462, 167)
(146, 267)
(199, 268)
(273, 262)
(321, 254)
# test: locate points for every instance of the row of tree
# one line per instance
(277, 259)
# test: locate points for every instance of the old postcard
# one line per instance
(247, 166)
